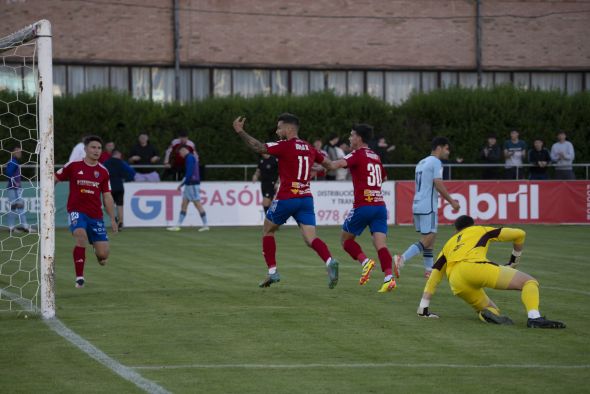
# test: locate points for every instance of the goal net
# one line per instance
(27, 236)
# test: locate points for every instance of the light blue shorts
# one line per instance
(426, 224)
(192, 193)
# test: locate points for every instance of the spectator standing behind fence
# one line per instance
(341, 152)
(14, 192)
(331, 149)
(490, 154)
(539, 158)
(562, 153)
(514, 151)
(173, 160)
(144, 153)
(107, 152)
(119, 171)
(380, 146)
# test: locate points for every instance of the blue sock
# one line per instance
(428, 259)
(414, 249)
(204, 218)
(181, 217)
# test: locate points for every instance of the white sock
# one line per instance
(328, 261)
(387, 278)
(272, 270)
(534, 314)
(366, 261)
(424, 303)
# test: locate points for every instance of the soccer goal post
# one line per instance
(27, 226)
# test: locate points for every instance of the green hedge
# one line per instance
(465, 116)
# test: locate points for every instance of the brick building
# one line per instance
(386, 48)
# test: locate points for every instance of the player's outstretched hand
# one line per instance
(114, 226)
(456, 206)
(239, 124)
(424, 312)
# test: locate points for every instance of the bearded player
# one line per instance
(368, 209)
(88, 179)
(294, 199)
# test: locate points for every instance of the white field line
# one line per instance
(92, 351)
(541, 287)
(359, 365)
(112, 364)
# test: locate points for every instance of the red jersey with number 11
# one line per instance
(296, 157)
(367, 177)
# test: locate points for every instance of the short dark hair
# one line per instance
(90, 138)
(182, 133)
(364, 131)
(289, 119)
(463, 221)
(439, 141)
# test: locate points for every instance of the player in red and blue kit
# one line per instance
(88, 179)
(368, 208)
(294, 199)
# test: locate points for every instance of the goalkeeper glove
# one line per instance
(514, 259)
(424, 312)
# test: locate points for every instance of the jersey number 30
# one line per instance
(375, 178)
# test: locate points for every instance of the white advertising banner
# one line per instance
(234, 203)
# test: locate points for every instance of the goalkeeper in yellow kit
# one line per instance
(464, 261)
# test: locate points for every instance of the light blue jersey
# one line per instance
(426, 196)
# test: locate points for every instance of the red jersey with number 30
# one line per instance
(367, 177)
(296, 157)
(86, 184)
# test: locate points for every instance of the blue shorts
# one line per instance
(426, 224)
(301, 209)
(374, 216)
(95, 229)
(192, 192)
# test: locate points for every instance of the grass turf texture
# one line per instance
(189, 301)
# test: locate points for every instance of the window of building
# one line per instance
(574, 82)
(399, 85)
(59, 80)
(120, 78)
(468, 79)
(337, 82)
(548, 81)
(141, 82)
(75, 79)
(522, 80)
(356, 82)
(201, 80)
(163, 84)
(96, 77)
(10, 78)
(448, 79)
(185, 85)
(429, 80)
(299, 82)
(501, 78)
(222, 82)
(279, 82)
(316, 81)
(375, 84)
(249, 83)
(29, 81)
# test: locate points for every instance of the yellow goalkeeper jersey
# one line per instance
(469, 245)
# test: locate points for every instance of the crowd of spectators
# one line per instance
(511, 160)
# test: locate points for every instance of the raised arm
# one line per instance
(250, 141)
(334, 165)
(430, 287)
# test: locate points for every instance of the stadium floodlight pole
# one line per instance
(46, 170)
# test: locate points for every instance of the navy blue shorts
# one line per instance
(301, 209)
(374, 216)
(95, 229)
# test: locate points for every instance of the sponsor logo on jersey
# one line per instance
(96, 174)
(80, 172)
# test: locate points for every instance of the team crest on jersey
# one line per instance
(96, 174)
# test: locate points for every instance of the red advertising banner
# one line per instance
(500, 202)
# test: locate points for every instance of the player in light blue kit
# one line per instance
(425, 207)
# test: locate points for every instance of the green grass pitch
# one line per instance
(185, 311)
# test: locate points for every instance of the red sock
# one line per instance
(269, 250)
(321, 249)
(354, 250)
(385, 260)
(79, 259)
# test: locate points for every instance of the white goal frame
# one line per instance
(41, 32)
